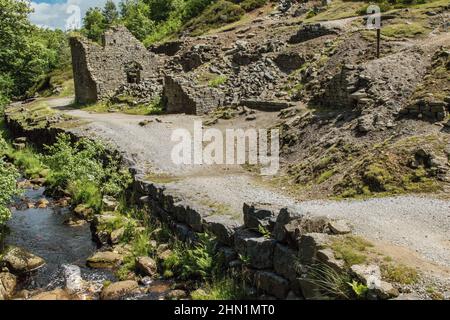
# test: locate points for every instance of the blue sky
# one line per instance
(54, 13)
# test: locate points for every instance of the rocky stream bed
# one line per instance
(45, 255)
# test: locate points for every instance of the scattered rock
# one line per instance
(176, 295)
(118, 290)
(370, 275)
(284, 261)
(83, 211)
(285, 216)
(259, 250)
(272, 283)
(310, 244)
(223, 227)
(256, 215)
(164, 255)
(19, 261)
(42, 203)
(74, 222)
(110, 204)
(327, 257)
(8, 284)
(146, 265)
(57, 294)
(339, 227)
(104, 260)
(116, 235)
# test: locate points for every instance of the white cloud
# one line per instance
(55, 15)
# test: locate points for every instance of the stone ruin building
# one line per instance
(121, 65)
(101, 71)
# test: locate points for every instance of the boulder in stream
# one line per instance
(57, 294)
(8, 284)
(18, 260)
(104, 259)
(118, 290)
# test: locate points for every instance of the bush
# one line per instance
(86, 192)
(85, 170)
(8, 188)
(28, 161)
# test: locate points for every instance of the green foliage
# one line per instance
(94, 24)
(192, 262)
(8, 188)
(160, 9)
(28, 161)
(399, 273)
(359, 289)
(136, 17)
(86, 192)
(198, 262)
(110, 13)
(330, 282)
(352, 249)
(218, 81)
(224, 288)
(264, 231)
(26, 51)
(217, 14)
(85, 170)
(140, 247)
(249, 5)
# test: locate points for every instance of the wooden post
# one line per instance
(378, 42)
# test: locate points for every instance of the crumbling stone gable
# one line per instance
(100, 70)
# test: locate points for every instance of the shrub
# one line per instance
(8, 189)
(85, 170)
(86, 192)
(28, 161)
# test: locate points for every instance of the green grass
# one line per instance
(403, 30)
(338, 10)
(325, 176)
(218, 81)
(226, 288)
(214, 16)
(351, 249)
(29, 162)
(399, 273)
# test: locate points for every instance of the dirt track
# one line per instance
(419, 224)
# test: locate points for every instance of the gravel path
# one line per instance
(418, 223)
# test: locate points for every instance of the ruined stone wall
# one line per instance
(85, 85)
(100, 70)
(183, 97)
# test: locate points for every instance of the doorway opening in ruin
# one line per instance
(133, 72)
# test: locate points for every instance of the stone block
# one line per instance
(223, 227)
(272, 284)
(257, 249)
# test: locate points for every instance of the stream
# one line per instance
(43, 232)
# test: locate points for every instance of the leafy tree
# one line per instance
(94, 24)
(110, 13)
(26, 51)
(160, 9)
(135, 16)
